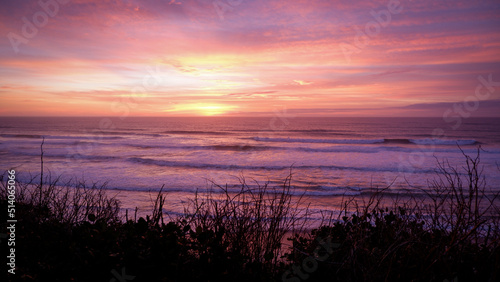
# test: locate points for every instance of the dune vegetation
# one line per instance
(74, 232)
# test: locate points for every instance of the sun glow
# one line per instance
(190, 63)
(212, 110)
(201, 109)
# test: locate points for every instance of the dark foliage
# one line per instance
(73, 232)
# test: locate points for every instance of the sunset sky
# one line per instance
(248, 58)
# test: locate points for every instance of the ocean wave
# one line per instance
(426, 141)
(329, 141)
(122, 133)
(57, 154)
(220, 147)
(90, 137)
(165, 163)
(197, 132)
(337, 192)
(238, 167)
(67, 137)
(242, 147)
(258, 148)
(347, 148)
(29, 136)
(429, 141)
(298, 190)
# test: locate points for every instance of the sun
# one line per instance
(213, 110)
(201, 109)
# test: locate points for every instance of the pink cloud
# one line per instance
(261, 53)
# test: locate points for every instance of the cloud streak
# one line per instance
(262, 54)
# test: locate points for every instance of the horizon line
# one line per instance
(229, 116)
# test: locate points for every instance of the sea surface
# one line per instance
(327, 157)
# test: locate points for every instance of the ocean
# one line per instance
(329, 158)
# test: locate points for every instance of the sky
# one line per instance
(250, 58)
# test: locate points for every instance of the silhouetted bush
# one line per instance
(73, 232)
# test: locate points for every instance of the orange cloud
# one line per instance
(180, 58)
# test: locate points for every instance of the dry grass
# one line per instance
(452, 231)
(250, 223)
(69, 202)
